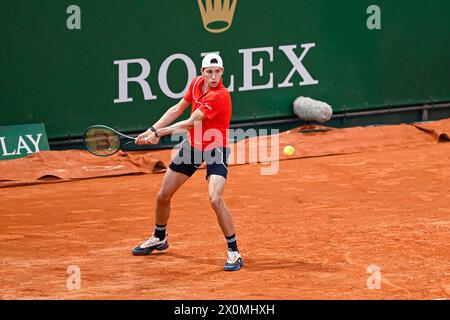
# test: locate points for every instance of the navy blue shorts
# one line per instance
(189, 159)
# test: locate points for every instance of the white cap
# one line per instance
(206, 62)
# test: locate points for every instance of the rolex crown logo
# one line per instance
(218, 17)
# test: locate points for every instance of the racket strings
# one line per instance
(102, 141)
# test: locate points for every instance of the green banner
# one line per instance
(22, 140)
(72, 64)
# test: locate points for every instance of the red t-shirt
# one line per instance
(215, 104)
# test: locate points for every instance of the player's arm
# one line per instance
(171, 114)
(196, 116)
(168, 117)
(153, 138)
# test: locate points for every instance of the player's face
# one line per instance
(212, 76)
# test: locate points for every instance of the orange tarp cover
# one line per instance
(51, 166)
(308, 141)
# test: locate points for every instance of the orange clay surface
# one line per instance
(308, 232)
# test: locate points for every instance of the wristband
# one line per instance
(155, 131)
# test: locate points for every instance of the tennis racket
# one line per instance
(104, 141)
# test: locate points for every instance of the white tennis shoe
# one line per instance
(149, 245)
(234, 261)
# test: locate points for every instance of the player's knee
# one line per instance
(216, 202)
(163, 196)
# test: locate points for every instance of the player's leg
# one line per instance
(158, 241)
(216, 186)
(171, 183)
(216, 174)
(179, 171)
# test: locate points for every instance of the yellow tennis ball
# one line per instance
(289, 150)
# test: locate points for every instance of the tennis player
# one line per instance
(207, 142)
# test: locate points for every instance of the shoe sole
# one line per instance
(234, 268)
(146, 253)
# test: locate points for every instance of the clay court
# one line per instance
(308, 232)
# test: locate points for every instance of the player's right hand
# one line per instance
(141, 139)
(148, 137)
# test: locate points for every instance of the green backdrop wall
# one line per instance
(69, 79)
